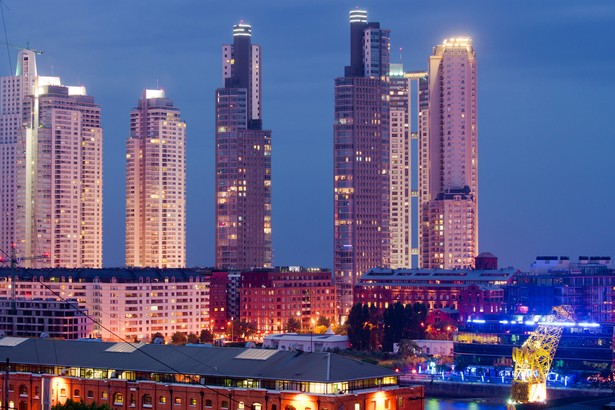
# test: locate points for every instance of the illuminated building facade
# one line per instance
(223, 299)
(448, 167)
(588, 285)
(128, 304)
(361, 159)
(58, 319)
(400, 210)
(583, 347)
(161, 378)
(436, 288)
(243, 159)
(156, 184)
(268, 299)
(50, 170)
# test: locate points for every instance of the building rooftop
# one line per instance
(190, 360)
(105, 274)
(468, 276)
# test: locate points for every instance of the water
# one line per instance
(463, 404)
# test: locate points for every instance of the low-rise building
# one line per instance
(269, 298)
(125, 303)
(436, 288)
(583, 347)
(587, 285)
(44, 318)
(163, 377)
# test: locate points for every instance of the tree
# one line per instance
(358, 327)
(240, 329)
(193, 338)
(293, 325)
(179, 338)
(157, 338)
(323, 321)
(79, 405)
(206, 336)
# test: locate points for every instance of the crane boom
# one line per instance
(533, 359)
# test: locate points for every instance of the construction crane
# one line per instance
(533, 359)
(26, 47)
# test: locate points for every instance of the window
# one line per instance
(177, 401)
(357, 406)
(118, 399)
(256, 406)
(224, 404)
(193, 401)
(62, 392)
(241, 406)
(76, 393)
(162, 399)
(90, 394)
(23, 390)
(208, 403)
(105, 395)
(147, 400)
(400, 402)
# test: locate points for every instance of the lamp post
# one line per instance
(312, 335)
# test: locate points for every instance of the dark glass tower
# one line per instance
(243, 159)
(361, 158)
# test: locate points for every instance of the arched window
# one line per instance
(257, 406)
(241, 406)
(162, 399)
(23, 390)
(76, 393)
(208, 403)
(224, 404)
(146, 400)
(118, 398)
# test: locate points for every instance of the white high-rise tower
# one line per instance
(448, 173)
(156, 184)
(50, 170)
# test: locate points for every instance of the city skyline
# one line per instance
(533, 170)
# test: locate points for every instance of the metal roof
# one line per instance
(214, 361)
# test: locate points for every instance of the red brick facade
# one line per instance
(29, 391)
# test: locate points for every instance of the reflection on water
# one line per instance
(463, 404)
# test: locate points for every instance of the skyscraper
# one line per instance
(361, 158)
(243, 159)
(448, 181)
(156, 184)
(400, 211)
(50, 170)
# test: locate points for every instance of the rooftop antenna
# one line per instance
(157, 84)
(401, 51)
(6, 39)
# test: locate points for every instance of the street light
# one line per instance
(231, 324)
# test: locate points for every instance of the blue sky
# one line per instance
(546, 110)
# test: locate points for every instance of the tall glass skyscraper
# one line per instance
(361, 158)
(448, 175)
(50, 170)
(156, 184)
(243, 159)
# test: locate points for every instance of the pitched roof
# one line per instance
(196, 360)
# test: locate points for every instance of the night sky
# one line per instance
(546, 109)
